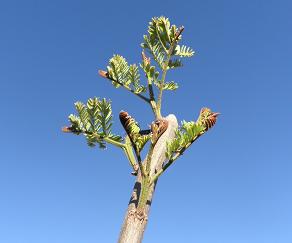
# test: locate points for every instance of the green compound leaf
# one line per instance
(170, 86)
(185, 136)
(134, 79)
(183, 51)
(156, 50)
(94, 121)
(123, 74)
(118, 69)
(150, 72)
(161, 37)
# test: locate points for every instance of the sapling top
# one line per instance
(161, 51)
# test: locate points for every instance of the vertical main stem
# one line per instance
(165, 67)
(136, 218)
(140, 202)
(145, 188)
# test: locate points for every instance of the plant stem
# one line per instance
(159, 100)
(172, 159)
(126, 87)
(136, 217)
(128, 151)
(144, 194)
(152, 98)
(113, 142)
(165, 67)
(129, 154)
(164, 71)
(149, 157)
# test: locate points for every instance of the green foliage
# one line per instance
(174, 63)
(186, 134)
(121, 73)
(170, 86)
(183, 51)
(134, 79)
(162, 43)
(94, 121)
(150, 71)
(133, 130)
(118, 70)
(140, 141)
(158, 53)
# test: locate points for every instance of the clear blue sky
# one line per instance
(233, 186)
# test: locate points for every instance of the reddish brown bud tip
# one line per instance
(179, 31)
(103, 74)
(145, 59)
(66, 129)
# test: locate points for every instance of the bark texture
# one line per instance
(136, 218)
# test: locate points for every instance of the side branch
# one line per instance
(128, 152)
(171, 160)
(127, 148)
(152, 99)
(206, 120)
(130, 156)
(104, 74)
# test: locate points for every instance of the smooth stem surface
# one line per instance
(141, 166)
(130, 156)
(129, 153)
(164, 71)
(148, 158)
(137, 216)
(113, 142)
(159, 99)
(145, 188)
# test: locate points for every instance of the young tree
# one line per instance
(167, 141)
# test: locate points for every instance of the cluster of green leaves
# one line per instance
(152, 75)
(123, 74)
(150, 71)
(94, 121)
(140, 141)
(170, 86)
(186, 134)
(162, 44)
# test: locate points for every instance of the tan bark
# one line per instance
(136, 219)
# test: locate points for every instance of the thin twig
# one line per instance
(146, 62)
(104, 75)
(173, 158)
(138, 156)
(129, 154)
(169, 54)
(126, 147)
